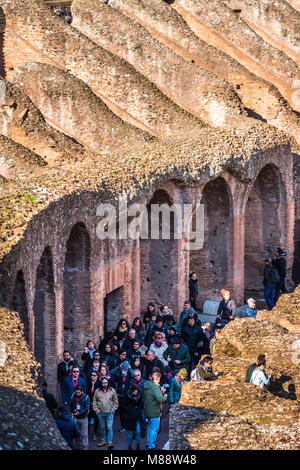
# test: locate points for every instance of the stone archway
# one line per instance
(211, 263)
(159, 260)
(76, 282)
(265, 224)
(19, 302)
(44, 318)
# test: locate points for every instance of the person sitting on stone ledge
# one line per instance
(248, 310)
(226, 311)
(204, 371)
(259, 376)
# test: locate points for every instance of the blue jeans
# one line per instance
(106, 420)
(269, 295)
(153, 428)
(136, 433)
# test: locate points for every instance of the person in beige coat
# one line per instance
(105, 404)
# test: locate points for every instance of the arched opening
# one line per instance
(44, 318)
(211, 263)
(265, 224)
(159, 259)
(2, 29)
(76, 282)
(19, 302)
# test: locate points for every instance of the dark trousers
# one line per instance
(280, 286)
(92, 414)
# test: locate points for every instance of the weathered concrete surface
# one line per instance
(25, 421)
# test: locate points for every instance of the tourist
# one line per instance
(166, 312)
(140, 382)
(151, 325)
(194, 338)
(79, 406)
(149, 314)
(193, 290)
(109, 356)
(154, 396)
(92, 385)
(150, 360)
(63, 367)
(184, 313)
(226, 311)
(133, 418)
(158, 327)
(178, 356)
(159, 345)
(136, 363)
(204, 371)
(122, 376)
(105, 404)
(250, 309)
(50, 400)
(137, 325)
(208, 335)
(134, 352)
(259, 377)
(129, 340)
(121, 358)
(172, 335)
(94, 368)
(176, 385)
(121, 331)
(88, 355)
(69, 385)
(214, 341)
(260, 359)
(170, 322)
(67, 426)
(279, 262)
(269, 283)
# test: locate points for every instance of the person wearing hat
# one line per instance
(269, 283)
(176, 385)
(122, 376)
(79, 406)
(279, 262)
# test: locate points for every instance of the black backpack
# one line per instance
(275, 278)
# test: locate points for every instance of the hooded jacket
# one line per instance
(68, 428)
(153, 400)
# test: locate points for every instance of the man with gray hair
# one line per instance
(150, 360)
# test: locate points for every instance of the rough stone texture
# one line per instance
(223, 29)
(229, 414)
(26, 423)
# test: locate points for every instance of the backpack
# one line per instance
(275, 278)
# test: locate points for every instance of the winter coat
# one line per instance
(88, 358)
(111, 359)
(193, 288)
(203, 373)
(50, 400)
(122, 382)
(153, 399)
(67, 389)
(267, 275)
(62, 371)
(181, 354)
(68, 428)
(159, 351)
(183, 315)
(226, 309)
(175, 391)
(140, 384)
(133, 407)
(280, 265)
(150, 364)
(83, 402)
(192, 336)
(105, 402)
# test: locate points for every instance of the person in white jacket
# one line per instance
(259, 377)
(159, 346)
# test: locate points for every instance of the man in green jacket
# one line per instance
(177, 355)
(154, 397)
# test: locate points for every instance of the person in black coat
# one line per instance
(193, 336)
(150, 361)
(193, 290)
(133, 418)
(67, 426)
(92, 384)
(279, 262)
(63, 367)
(50, 400)
(226, 311)
(109, 356)
(88, 355)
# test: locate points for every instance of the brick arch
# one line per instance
(44, 318)
(212, 263)
(265, 223)
(159, 260)
(19, 302)
(76, 283)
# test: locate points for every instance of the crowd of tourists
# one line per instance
(139, 367)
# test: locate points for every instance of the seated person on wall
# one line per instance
(226, 311)
(259, 376)
(248, 310)
(260, 359)
(204, 371)
(176, 386)
(178, 356)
